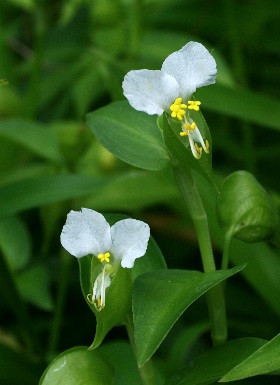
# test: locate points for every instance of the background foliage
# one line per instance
(64, 59)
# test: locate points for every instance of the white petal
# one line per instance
(86, 232)
(150, 91)
(101, 283)
(192, 66)
(129, 240)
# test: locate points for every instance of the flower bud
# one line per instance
(245, 209)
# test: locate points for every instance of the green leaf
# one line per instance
(118, 297)
(243, 104)
(43, 190)
(211, 366)
(15, 242)
(33, 136)
(159, 299)
(78, 366)
(130, 135)
(151, 261)
(179, 147)
(264, 360)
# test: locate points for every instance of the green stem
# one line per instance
(215, 296)
(146, 371)
(225, 259)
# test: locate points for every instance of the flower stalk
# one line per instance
(146, 371)
(215, 296)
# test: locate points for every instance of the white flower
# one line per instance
(171, 88)
(88, 232)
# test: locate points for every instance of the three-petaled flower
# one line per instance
(170, 89)
(88, 232)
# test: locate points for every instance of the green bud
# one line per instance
(245, 209)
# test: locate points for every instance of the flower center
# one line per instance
(104, 257)
(101, 283)
(178, 109)
(187, 127)
(194, 105)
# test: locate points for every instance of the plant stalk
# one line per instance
(215, 296)
(146, 371)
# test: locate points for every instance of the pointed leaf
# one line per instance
(130, 135)
(78, 366)
(211, 366)
(159, 299)
(264, 360)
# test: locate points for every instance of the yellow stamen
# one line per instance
(207, 146)
(198, 149)
(194, 105)
(183, 133)
(89, 299)
(188, 126)
(104, 257)
(98, 302)
(178, 109)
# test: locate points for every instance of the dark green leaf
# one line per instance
(211, 366)
(159, 299)
(130, 135)
(266, 359)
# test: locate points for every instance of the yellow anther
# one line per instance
(98, 302)
(194, 105)
(198, 149)
(207, 146)
(183, 133)
(188, 126)
(104, 257)
(178, 109)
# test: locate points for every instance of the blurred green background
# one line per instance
(63, 59)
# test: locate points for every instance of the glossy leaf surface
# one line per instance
(266, 359)
(130, 135)
(78, 366)
(211, 366)
(159, 299)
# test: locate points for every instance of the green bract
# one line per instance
(245, 209)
